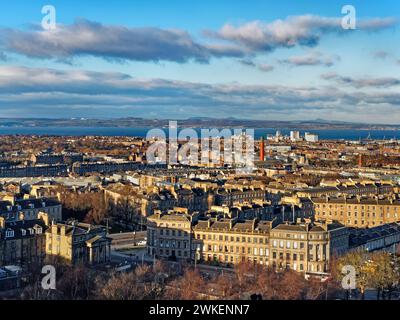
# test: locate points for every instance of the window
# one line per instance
(9, 233)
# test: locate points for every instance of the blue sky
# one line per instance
(175, 59)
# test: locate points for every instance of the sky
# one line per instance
(267, 60)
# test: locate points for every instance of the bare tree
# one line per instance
(188, 287)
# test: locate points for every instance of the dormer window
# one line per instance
(9, 233)
(38, 230)
(23, 232)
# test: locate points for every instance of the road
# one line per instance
(124, 247)
(127, 238)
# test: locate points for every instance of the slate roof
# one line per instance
(19, 226)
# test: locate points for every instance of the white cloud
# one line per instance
(50, 92)
(313, 58)
(382, 82)
(119, 43)
(306, 30)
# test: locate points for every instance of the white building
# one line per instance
(294, 135)
(311, 137)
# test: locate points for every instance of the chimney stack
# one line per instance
(262, 149)
(360, 160)
(2, 222)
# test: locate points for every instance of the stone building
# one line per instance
(303, 246)
(229, 197)
(22, 241)
(169, 235)
(231, 241)
(358, 212)
(78, 243)
(10, 208)
(307, 247)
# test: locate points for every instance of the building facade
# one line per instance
(229, 197)
(230, 241)
(307, 247)
(23, 242)
(303, 246)
(78, 243)
(11, 208)
(169, 235)
(358, 212)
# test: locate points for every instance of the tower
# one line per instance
(262, 149)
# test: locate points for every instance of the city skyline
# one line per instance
(264, 61)
(164, 152)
